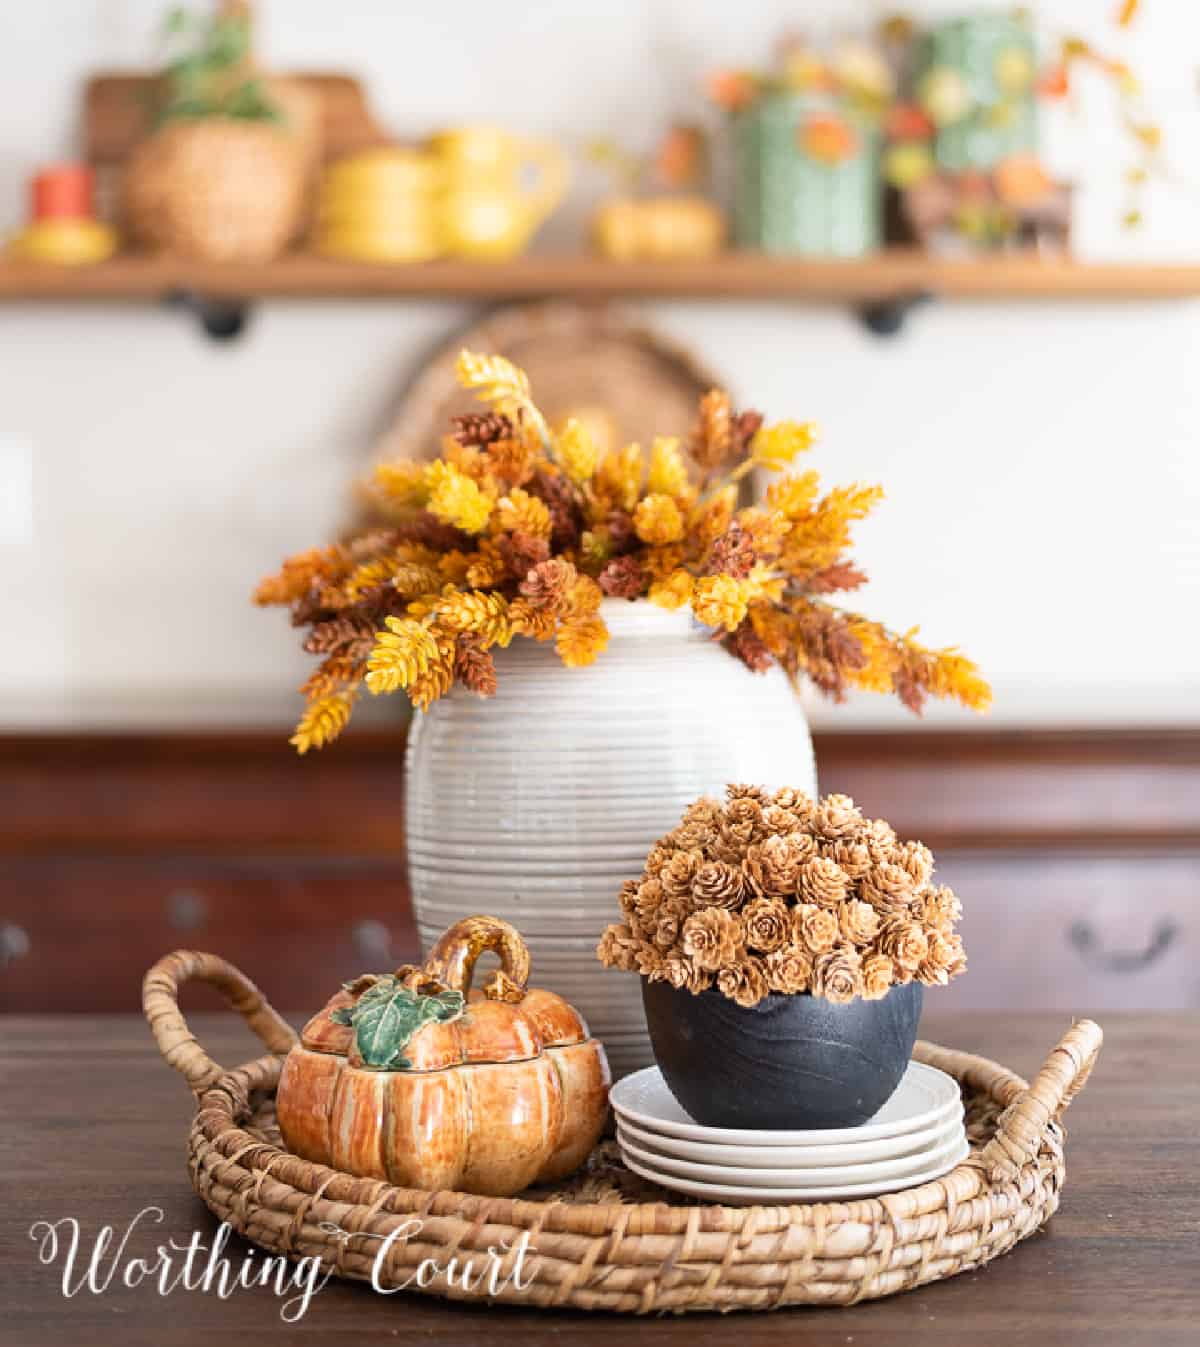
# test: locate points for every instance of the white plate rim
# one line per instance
(737, 1136)
(768, 1197)
(791, 1157)
(795, 1178)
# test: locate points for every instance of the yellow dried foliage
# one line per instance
(401, 484)
(794, 496)
(456, 499)
(720, 601)
(583, 598)
(953, 675)
(580, 640)
(711, 517)
(657, 520)
(300, 573)
(402, 653)
(712, 441)
(577, 451)
(470, 460)
(520, 510)
(764, 583)
(775, 447)
(323, 720)
(674, 590)
(667, 474)
(532, 620)
(486, 567)
(453, 566)
(619, 477)
(595, 548)
(438, 676)
(819, 538)
(360, 581)
(555, 525)
(876, 673)
(497, 381)
(482, 615)
(773, 627)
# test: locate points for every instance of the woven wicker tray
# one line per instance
(606, 1240)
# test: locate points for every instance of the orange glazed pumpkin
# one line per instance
(413, 1077)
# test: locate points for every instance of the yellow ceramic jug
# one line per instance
(488, 212)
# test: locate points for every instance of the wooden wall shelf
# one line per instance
(885, 284)
(732, 276)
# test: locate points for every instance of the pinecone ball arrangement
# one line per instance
(784, 944)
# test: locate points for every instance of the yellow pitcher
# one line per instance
(487, 211)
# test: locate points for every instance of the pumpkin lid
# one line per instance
(428, 1019)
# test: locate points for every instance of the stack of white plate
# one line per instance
(918, 1135)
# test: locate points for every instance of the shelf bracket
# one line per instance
(887, 317)
(221, 319)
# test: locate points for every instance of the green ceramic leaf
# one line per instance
(388, 1015)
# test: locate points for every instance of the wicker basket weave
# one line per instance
(607, 1241)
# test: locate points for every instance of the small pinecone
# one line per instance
(566, 522)
(347, 633)
(310, 608)
(732, 553)
(474, 667)
(481, 428)
(622, 578)
(622, 536)
(522, 551)
(431, 532)
(547, 583)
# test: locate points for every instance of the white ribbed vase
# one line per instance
(536, 804)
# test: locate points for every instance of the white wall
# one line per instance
(1041, 460)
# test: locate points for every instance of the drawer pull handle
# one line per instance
(186, 911)
(14, 943)
(1083, 937)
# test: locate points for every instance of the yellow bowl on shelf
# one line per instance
(388, 170)
(378, 244)
(65, 242)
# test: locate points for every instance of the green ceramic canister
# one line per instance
(976, 78)
(788, 200)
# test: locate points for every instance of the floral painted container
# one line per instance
(807, 178)
(976, 79)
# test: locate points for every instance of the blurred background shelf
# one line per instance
(895, 275)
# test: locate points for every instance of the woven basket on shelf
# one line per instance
(623, 379)
(606, 1240)
(216, 190)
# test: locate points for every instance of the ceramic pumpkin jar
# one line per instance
(416, 1078)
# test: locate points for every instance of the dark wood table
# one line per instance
(92, 1126)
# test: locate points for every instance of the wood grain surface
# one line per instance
(734, 275)
(93, 1125)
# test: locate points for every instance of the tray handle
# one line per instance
(176, 1042)
(1023, 1123)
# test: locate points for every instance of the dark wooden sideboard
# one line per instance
(1077, 856)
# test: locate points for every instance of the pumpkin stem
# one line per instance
(452, 960)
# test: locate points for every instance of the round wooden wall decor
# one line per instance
(622, 379)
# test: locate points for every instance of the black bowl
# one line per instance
(791, 1062)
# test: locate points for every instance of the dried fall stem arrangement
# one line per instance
(520, 530)
(780, 893)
